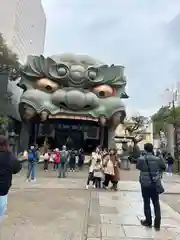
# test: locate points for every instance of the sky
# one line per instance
(133, 33)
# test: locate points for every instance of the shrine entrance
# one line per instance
(76, 134)
(72, 133)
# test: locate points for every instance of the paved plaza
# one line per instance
(61, 209)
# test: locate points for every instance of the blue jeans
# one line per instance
(31, 170)
(169, 168)
(3, 205)
(62, 170)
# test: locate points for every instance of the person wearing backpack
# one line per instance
(64, 156)
(31, 156)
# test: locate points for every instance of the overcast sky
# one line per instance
(133, 33)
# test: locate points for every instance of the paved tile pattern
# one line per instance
(60, 209)
(47, 214)
(120, 219)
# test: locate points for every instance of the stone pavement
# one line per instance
(120, 215)
(60, 209)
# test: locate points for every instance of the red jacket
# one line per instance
(57, 159)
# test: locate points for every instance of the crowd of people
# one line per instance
(60, 160)
(104, 169)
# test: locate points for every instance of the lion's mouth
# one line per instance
(64, 116)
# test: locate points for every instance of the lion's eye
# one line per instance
(46, 85)
(104, 91)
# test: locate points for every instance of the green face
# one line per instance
(72, 86)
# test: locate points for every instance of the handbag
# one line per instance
(155, 183)
(109, 169)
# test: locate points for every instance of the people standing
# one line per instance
(151, 187)
(8, 165)
(32, 161)
(56, 159)
(170, 162)
(72, 160)
(108, 169)
(116, 164)
(98, 173)
(95, 155)
(64, 157)
(46, 157)
(111, 169)
(81, 159)
(160, 155)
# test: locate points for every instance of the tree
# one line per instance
(3, 124)
(165, 115)
(7, 57)
(136, 127)
(8, 69)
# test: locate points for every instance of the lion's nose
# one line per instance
(75, 100)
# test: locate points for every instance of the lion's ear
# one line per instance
(25, 84)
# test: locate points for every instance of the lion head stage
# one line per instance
(71, 86)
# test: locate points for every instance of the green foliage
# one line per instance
(165, 115)
(3, 124)
(7, 57)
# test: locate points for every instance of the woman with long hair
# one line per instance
(8, 165)
(111, 169)
(95, 155)
(108, 169)
(116, 164)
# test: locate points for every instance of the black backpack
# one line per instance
(63, 157)
(31, 156)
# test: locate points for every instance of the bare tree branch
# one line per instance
(136, 128)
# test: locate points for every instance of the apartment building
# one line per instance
(23, 25)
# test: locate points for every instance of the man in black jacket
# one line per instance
(150, 168)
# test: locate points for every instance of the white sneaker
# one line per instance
(94, 186)
(33, 181)
(87, 186)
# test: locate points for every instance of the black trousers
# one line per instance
(114, 185)
(90, 178)
(106, 180)
(97, 182)
(149, 194)
(72, 165)
(46, 163)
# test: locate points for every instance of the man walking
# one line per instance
(64, 156)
